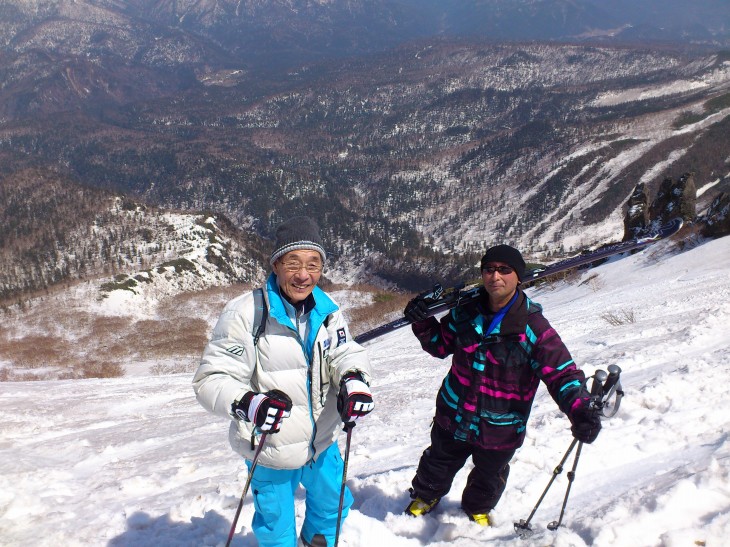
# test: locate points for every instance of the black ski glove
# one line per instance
(416, 310)
(586, 420)
(354, 400)
(266, 410)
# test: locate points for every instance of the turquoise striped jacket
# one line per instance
(487, 395)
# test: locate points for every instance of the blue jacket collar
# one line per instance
(321, 308)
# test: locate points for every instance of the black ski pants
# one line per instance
(446, 456)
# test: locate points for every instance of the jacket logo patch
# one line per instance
(341, 336)
(235, 350)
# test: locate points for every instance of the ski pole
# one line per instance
(245, 488)
(523, 527)
(571, 476)
(614, 373)
(348, 429)
(600, 379)
(612, 387)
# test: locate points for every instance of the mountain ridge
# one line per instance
(413, 157)
(408, 170)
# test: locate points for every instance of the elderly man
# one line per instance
(295, 373)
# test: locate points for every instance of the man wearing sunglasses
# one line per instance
(502, 347)
(296, 377)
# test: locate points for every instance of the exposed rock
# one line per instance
(716, 222)
(637, 215)
(675, 199)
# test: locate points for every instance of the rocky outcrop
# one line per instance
(716, 222)
(637, 215)
(673, 199)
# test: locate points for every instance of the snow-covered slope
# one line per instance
(135, 461)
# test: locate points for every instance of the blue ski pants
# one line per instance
(274, 520)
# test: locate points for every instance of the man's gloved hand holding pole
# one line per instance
(354, 399)
(266, 410)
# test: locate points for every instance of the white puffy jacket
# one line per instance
(309, 371)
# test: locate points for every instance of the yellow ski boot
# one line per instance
(482, 519)
(419, 507)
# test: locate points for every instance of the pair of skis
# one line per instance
(440, 300)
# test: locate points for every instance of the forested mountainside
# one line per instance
(55, 232)
(413, 159)
(416, 159)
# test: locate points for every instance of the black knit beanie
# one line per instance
(508, 255)
(297, 233)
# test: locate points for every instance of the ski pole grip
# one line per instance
(614, 373)
(599, 377)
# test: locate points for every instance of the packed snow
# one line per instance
(136, 461)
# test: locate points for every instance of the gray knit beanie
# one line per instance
(296, 234)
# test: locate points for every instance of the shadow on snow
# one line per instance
(212, 529)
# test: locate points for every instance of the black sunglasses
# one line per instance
(502, 270)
